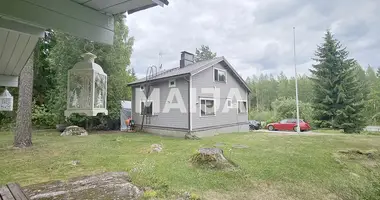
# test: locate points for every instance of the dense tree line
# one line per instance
(266, 89)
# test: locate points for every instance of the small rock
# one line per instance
(185, 196)
(74, 130)
(75, 162)
(190, 136)
(155, 148)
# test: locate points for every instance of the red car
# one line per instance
(288, 125)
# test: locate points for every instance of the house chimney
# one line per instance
(186, 59)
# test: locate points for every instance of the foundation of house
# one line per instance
(199, 132)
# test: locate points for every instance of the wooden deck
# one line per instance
(12, 191)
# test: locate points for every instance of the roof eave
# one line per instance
(165, 2)
(237, 74)
(159, 79)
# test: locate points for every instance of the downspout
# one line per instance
(248, 105)
(190, 104)
(190, 83)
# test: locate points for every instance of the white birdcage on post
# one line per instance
(6, 101)
(86, 88)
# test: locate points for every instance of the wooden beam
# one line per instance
(16, 191)
(20, 27)
(5, 194)
(66, 16)
(8, 81)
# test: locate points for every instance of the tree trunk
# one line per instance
(23, 137)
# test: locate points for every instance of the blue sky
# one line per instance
(254, 35)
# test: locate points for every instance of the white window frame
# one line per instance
(143, 101)
(246, 107)
(200, 107)
(175, 83)
(230, 101)
(213, 74)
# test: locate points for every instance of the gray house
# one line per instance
(204, 99)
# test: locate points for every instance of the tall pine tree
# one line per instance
(338, 100)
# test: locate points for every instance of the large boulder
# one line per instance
(110, 185)
(74, 130)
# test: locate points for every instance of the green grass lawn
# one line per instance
(272, 167)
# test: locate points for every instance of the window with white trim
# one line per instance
(172, 83)
(207, 107)
(242, 107)
(220, 75)
(149, 107)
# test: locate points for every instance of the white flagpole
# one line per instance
(296, 77)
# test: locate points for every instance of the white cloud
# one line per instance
(254, 35)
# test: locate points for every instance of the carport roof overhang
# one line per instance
(22, 22)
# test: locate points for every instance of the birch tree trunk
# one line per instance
(23, 136)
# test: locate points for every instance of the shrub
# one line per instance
(42, 117)
(260, 115)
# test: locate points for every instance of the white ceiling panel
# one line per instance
(17, 52)
(3, 39)
(8, 47)
(25, 55)
(15, 49)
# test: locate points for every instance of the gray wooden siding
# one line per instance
(205, 79)
(175, 118)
